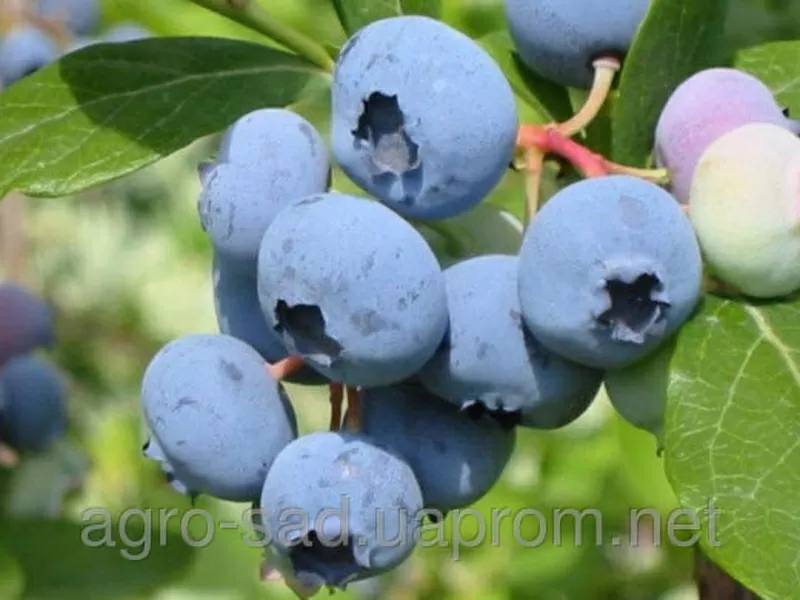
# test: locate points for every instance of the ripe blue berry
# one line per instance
(609, 269)
(26, 322)
(489, 356)
(81, 16)
(352, 288)
(559, 39)
(267, 159)
(217, 419)
(33, 411)
(24, 50)
(423, 119)
(239, 315)
(700, 110)
(456, 458)
(340, 508)
(126, 32)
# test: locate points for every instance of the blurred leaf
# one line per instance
(355, 14)
(12, 581)
(733, 437)
(58, 565)
(431, 8)
(776, 65)
(550, 100)
(41, 482)
(643, 470)
(110, 109)
(676, 39)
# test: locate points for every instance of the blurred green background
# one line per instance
(127, 269)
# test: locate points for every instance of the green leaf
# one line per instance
(733, 438)
(550, 100)
(58, 564)
(776, 65)
(430, 8)
(676, 39)
(355, 14)
(483, 230)
(41, 482)
(108, 110)
(12, 581)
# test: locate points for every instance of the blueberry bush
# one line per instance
(437, 258)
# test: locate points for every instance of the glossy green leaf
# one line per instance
(676, 39)
(776, 65)
(550, 100)
(355, 14)
(733, 438)
(108, 110)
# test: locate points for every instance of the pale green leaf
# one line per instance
(775, 64)
(733, 438)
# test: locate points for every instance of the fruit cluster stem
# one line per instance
(537, 141)
(534, 163)
(251, 14)
(283, 368)
(12, 236)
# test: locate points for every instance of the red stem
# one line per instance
(550, 141)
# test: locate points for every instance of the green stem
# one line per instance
(251, 14)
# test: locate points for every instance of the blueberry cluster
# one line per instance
(439, 367)
(48, 29)
(33, 390)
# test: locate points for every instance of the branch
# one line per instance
(715, 584)
(251, 14)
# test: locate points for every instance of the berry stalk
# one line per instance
(283, 368)
(252, 15)
(605, 69)
(336, 391)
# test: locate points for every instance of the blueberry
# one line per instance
(559, 39)
(745, 208)
(609, 269)
(455, 458)
(23, 51)
(126, 32)
(81, 16)
(26, 322)
(217, 419)
(239, 315)
(701, 109)
(352, 288)
(490, 357)
(33, 412)
(340, 508)
(423, 119)
(267, 159)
